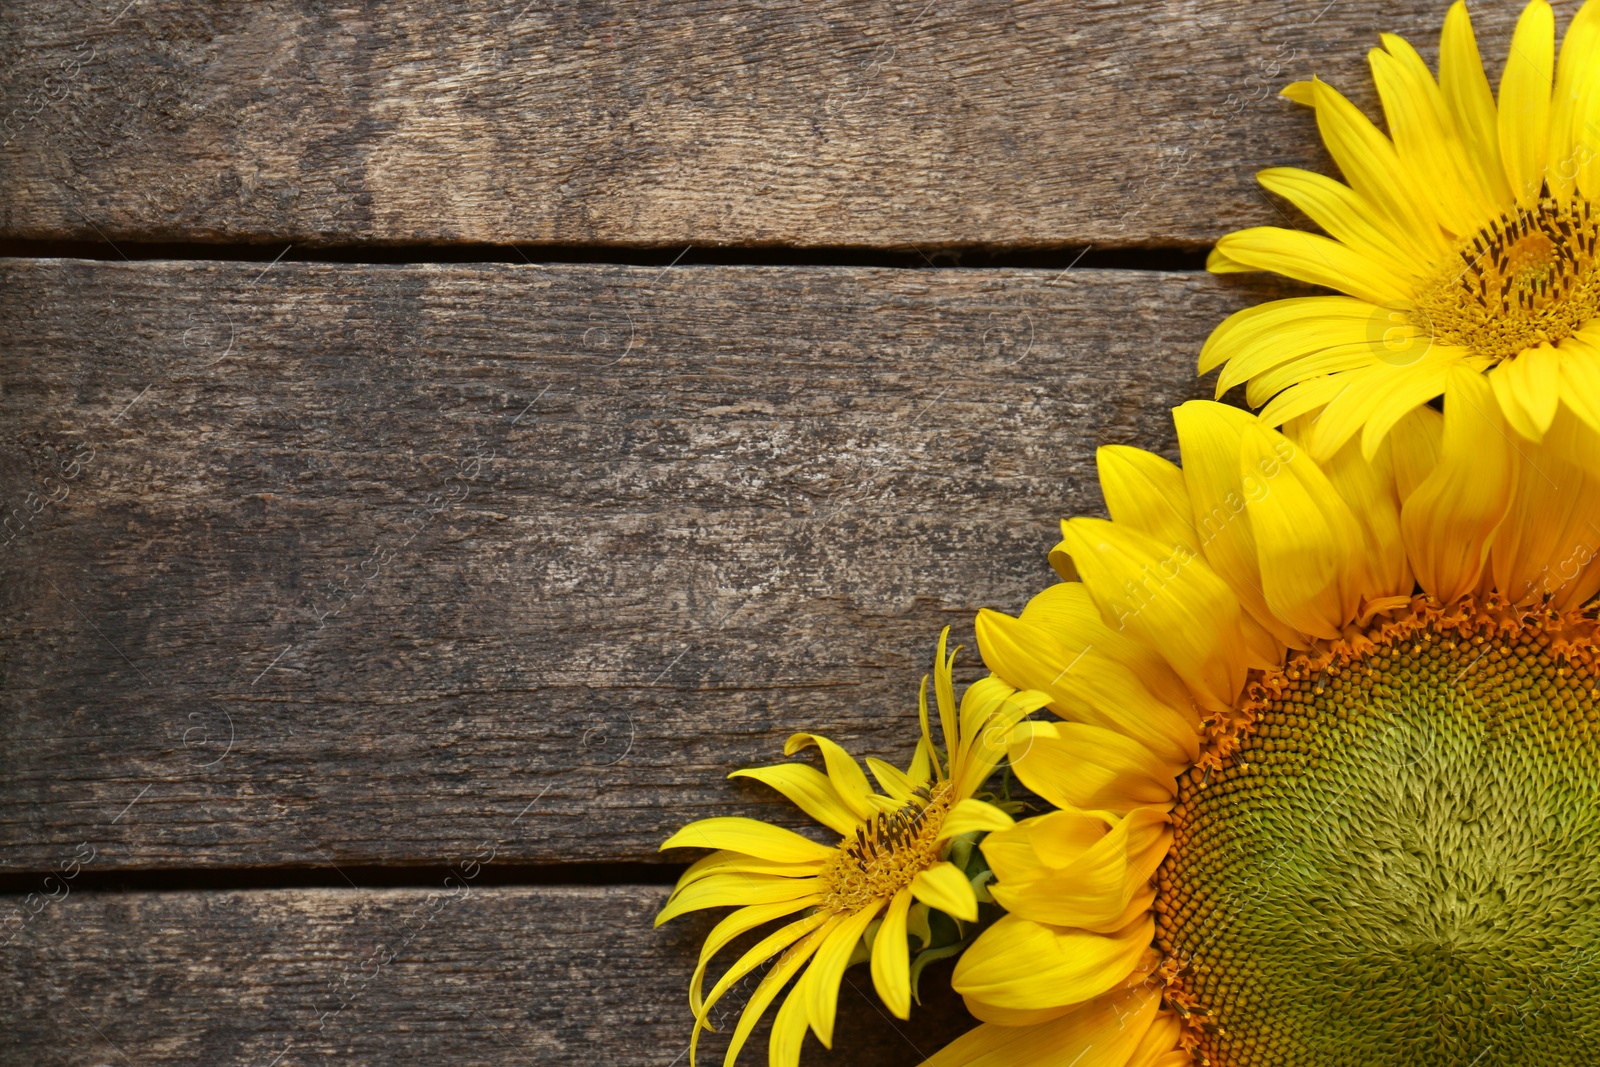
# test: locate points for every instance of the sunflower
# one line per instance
(1326, 760)
(1466, 238)
(888, 879)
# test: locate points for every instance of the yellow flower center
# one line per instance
(1529, 277)
(887, 853)
(1400, 862)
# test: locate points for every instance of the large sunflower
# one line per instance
(1465, 238)
(883, 884)
(1328, 764)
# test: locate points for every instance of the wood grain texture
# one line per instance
(464, 975)
(329, 564)
(713, 122)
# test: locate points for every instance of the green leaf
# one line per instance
(926, 957)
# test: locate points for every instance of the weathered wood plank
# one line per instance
(328, 564)
(464, 975)
(892, 123)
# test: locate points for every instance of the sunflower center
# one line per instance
(887, 853)
(1400, 864)
(1529, 277)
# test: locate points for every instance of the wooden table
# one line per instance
(441, 441)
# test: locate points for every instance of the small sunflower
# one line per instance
(888, 879)
(1327, 759)
(1466, 238)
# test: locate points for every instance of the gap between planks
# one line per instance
(976, 257)
(343, 876)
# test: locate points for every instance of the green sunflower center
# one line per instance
(1401, 863)
(1530, 277)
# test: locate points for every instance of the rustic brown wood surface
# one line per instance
(461, 975)
(920, 123)
(317, 579)
(324, 564)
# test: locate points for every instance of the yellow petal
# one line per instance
(789, 1028)
(725, 862)
(945, 888)
(1345, 215)
(1329, 361)
(1580, 374)
(809, 790)
(1306, 398)
(1146, 492)
(1027, 966)
(822, 980)
(1165, 597)
(749, 836)
(1525, 101)
(1067, 612)
(1318, 260)
(843, 772)
(1575, 104)
(1218, 263)
(1372, 399)
(1034, 848)
(891, 957)
(778, 977)
(1552, 529)
(1402, 392)
(1578, 84)
(990, 709)
(1076, 766)
(1425, 136)
(926, 758)
(759, 953)
(1373, 168)
(1067, 884)
(1369, 489)
(1261, 337)
(1209, 437)
(1101, 1033)
(1307, 540)
(1138, 839)
(1160, 1045)
(1414, 446)
(1302, 93)
(1085, 684)
(1528, 388)
(944, 688)
(1471, 103)
(735, 888)
(740, 922)
(893, 781)
(973, 816)
(1449, 522)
